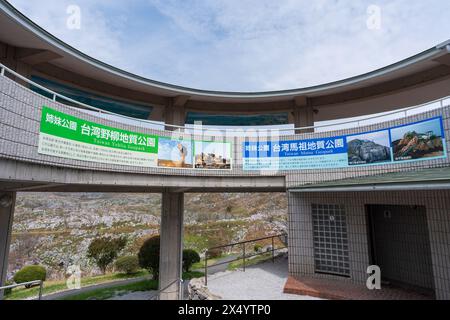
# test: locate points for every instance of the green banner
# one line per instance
(69, 127)
(66, 136)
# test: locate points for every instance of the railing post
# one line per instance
(206, 267)
(273, 250)
(181, 293)
(54, 97)
(2, 71)
(40, 289)
(243, 256)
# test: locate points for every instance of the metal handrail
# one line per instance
(158, 293)
(4, 69)
(244, 255)
(40, 282)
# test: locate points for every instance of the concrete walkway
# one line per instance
(263, 281)
(137, 295)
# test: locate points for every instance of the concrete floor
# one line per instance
(264, 281)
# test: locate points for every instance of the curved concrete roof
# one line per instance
(18, 30)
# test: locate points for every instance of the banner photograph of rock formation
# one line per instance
(418, 140)
(174, 153)
(368, 148)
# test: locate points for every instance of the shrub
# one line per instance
(214, 253)
(30, 273)
(103, 251)
(149, 256)
(127, 264)
(257, 247)
(189, 258)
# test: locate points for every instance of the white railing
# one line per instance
(180, 290)
(29, 283)
(356, 123)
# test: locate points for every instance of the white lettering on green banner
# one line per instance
(66, 136)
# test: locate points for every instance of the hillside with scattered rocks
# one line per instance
(55, 229)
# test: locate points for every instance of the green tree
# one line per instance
(189, 258)
(127, 264)
(103, 251)
(149, 256)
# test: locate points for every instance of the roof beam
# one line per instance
(301, 101)
(180, 101)
(376, 187)
(445, 59)
(35, 56)
(36, 187)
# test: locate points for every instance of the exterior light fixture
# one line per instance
(5, 200)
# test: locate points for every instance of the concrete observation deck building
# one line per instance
(364, 192)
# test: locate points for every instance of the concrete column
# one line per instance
(157, 113)
(171, 250)
(7, 203)
(175, 113)
(7, 55)
(303, 114)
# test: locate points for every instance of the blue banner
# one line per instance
(423, 140)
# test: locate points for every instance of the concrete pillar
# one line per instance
(157, 113)
(303, 114)
(7, 203)
(175, 113)
(8, 58)
(171, 250)
(7, 53)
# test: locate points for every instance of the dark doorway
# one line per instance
(400, 245)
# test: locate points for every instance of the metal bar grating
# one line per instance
(330, 239)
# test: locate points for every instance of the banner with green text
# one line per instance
(66, 136)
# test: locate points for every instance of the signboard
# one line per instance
(66, 136)
(417, 141)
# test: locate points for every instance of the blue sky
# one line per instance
(378, 137)
(168, 150)
(246, 45)
(422, 127)
(219, 149)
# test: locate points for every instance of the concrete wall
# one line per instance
(301, 250)
(384, 102)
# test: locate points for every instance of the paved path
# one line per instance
(138, 295)
(64, 294)
(263, 281)
(222, 267)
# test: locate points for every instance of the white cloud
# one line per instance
(247, 45)
(98, 36)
